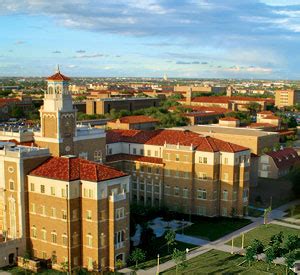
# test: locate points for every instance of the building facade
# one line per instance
(286, 98)
(183, 171)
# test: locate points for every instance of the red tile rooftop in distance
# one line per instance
(73, 168)
(229, 119)
(59, 77)
(285, 157)
(136, 119)
(176, 137)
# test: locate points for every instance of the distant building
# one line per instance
(133, 122)
(234, 103)
(285, 98)
(276, 164)
(229, 122)
(105, 105)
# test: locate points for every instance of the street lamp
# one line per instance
(157, 270)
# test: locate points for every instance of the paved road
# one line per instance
(219, 244)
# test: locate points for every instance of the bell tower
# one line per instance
(58, 117)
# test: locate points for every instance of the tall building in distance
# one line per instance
(286, 98)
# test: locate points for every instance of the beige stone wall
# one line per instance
(89, 146)
(49, 125)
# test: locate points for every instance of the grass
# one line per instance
(218, 262)
(15, 270)
(214, 228)
(161, 248)
(264, 233)
(295, 214)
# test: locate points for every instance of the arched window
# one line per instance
(50, 90)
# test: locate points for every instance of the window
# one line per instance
(177, 173)
(185, 192)
(64, 214)
(120, 213)
(34, 231)
(119, 237)
(53, 237)
(149, 187)
(88, 214)
(142, 186)
(32, 187)
(141, 169)
(167, 156)
(75, 238)
(156, 188)
(201, 194)
(156, 153)
(75, 214)
(64, 239)
(224, 211)
(141, 152)
(157, 170)
(110, 151)
(167, 172)
(44, 234)
(225, 195)
(83, 155)
(90, 263)
(33, 207)
(186, 175)
(234, 195)
(134, 151)
(11, 185)
(149, 153)
(134, 185)
(202, 159)
(202, 176)
(98, 156)
(167, 190)
(43, 210)
(89, 240)
(102, 240)
(149, 169)
(225, 160)
(201, 210)
(176, 191)
(53, 212)
(52, 191)
(42, 189)
(177, 157)
(63, 192)
(225, 176)
(91, 193)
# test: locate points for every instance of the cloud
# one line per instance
(96, 55)
(72, 66)
(56, 52)
(81, 51)
(20, 42)
(187, 63)
(204, 63)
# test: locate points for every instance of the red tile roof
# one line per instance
(284, 158)
(6, 101)
(73, 168)
(227, 99)
(160, 137)
(119, 157)
(136, 119)
(59, 77)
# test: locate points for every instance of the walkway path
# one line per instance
(287, 224)
(219, 244)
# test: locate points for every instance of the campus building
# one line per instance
(285, 98)
(182, 170)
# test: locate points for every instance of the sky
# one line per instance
(257, 39)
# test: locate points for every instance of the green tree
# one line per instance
(254, 107)
(292, 242)
(270, 256)
(170, 238)
(250, 254)
(64, 266)
(289, 260)
(179, 257)
(257, 246)
(137, 255)
(16, 112)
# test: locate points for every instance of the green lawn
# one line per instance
(159, 244)
(295, 214)
(15, 270)
(214, 228)
(218, 262)
(264, 233)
